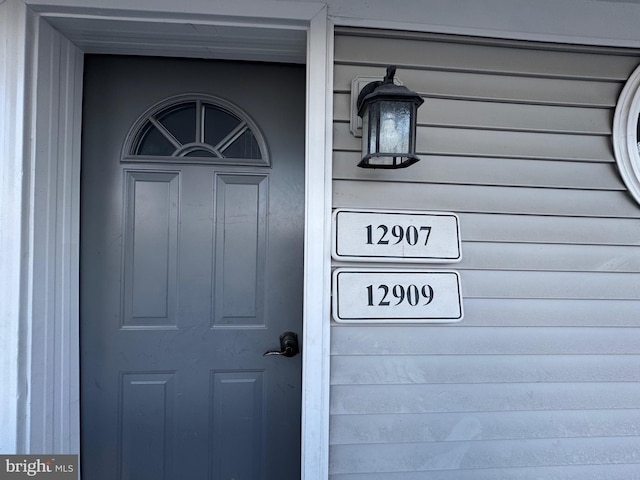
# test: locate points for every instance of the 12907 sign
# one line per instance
(395, 236)
(396, 296)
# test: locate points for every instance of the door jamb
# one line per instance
(51, 316)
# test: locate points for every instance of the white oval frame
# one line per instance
(625, 136)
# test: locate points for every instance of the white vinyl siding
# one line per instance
(541, 379)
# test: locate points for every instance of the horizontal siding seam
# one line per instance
(529, 326)
(523, 101)
(609, 160)
(347, 31)
(545, 270)
(540, 297)
(484, 355)
(490, 440)
(466, 70)
(466, 210)
(522, 412)
(505, 268)
(455, 126)
(492, 327)
(549, 215)
(488, 412)
(564, 160)
(485, 412)
(538, 103)
(494, 297)
(479, 355)
(563, 133)
(501, 185)
(470, 470)
(473, 384)
(549, 243)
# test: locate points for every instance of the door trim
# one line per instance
(51, 406)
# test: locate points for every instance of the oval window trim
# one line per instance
(136, 130)
(625, 134)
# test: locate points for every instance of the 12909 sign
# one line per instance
(396, 296)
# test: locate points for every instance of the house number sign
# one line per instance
(396, 296)
(395, 236)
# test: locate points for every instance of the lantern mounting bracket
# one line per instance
(357, 84)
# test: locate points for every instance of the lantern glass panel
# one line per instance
(369, 131)
(395, 124)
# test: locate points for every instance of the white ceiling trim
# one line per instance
(206, 35)
(187, 39)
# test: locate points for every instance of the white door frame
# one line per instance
(49, 318)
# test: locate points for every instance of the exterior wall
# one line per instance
(541, 378)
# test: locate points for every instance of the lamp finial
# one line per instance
(391, 71)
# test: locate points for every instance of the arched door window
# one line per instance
(196, 129)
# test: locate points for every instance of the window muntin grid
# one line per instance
(196, 129)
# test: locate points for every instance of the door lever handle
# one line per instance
(288, 346)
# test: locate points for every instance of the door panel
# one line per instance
(241, 241)
(189, 273)
(150, 248)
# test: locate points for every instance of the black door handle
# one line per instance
(288, 346)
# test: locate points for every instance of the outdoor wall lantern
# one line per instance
(388, 114)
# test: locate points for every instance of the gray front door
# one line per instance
(191, 269)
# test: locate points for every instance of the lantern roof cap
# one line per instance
(387, 90)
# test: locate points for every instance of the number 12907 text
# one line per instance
(384, 234)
